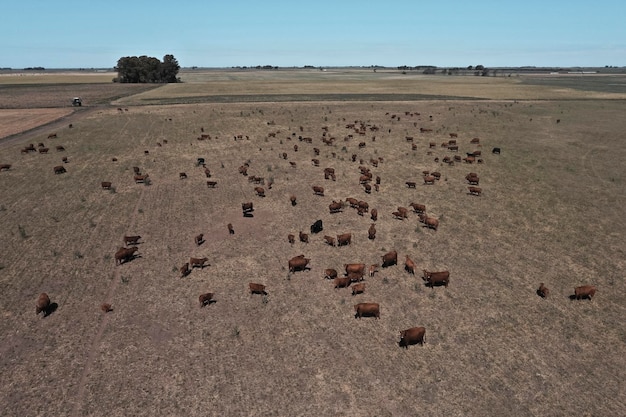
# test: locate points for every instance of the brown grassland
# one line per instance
(551, 211)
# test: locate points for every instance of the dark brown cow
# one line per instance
(231, 231)
(356, 276)
(211, 184)
(344, 239)
(390, 258)
(371, 232)
(475, 141)
(335, 206)
(106, 185)
(257, 288)
(409, 265)
(304, 237)
(125, 255)
(330, 273)
(293, 200)
(429, 179)
(182, 175)
(342, 282)
(207, 172)
(359, 268)
(584, 291)
(317, 190)
(364, 206)
(136, 170)
(411, 184)
(475, 190)
(412, 336)
(199, 239)
(397, 215)
(259, 191)
(106, 307)
(184, 270)
(404, 212)
(198, 262)
(140, 179)
(52, 135)
(316, 162)
(329, 240)
(43, 304)
(418, 208)
(206, 299)
(247, 207)
(291, 238)
(59, 169)
(367, 310)
(436, 278)
(454, 135)
(60, 148)
(131, 240)
(374, 214)
(358, 288)
(543, 291)
(5, 167)
(472, 178)
(64, 159)
(298, 263)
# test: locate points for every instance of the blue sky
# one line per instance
(226, 33)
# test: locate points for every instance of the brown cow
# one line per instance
(475, 190)
(356, 276)
(584, 291)
(390, 258)
(106, 185)
(106, 307)
(373, 269)
(184, 270)
(298, 263)
(43, 304)
(358, 288)
(199, 239)
(410, 184)
(257, 288)
(304, 237)
(5, 167)
(207, 172)
(329, 240)
(344, 239)
(430, 222)
(418, 208)
(472, 178)
(342, 282)
(543, 291)
(409, 265)
(247, 207)
(211, 184)
(291, 238)
(259, 191)
(318, 190)
(198, 262)
(131, 240)
(206, 299)
(404, 212)
(364, 206)
(293, 200)
(429, 179)
(412, 336)
(436, 278)
(52, 135)
(136, 170)
(359, 268)
(335, 206)
(330, 273)
(371, 232)
(140, 179)
(231, 231)
(182, 175)
(374, 214)
(64, 159)
(367, 309)
(397, 215)
(316, 162)
(125, 255)
(59, 169)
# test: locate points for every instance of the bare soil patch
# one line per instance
(16, 121)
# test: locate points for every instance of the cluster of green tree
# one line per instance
(145, 69)
(34, 69)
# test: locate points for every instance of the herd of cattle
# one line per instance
(354, 273)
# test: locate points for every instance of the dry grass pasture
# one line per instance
(551, 211)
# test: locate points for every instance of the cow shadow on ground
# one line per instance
(542, 295)
(248, 214)
(364, 314)
(434, 284)
(582, 297)
(51, 309)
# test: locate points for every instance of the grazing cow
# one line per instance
(584, 291)
(410, 184)
(472, 178)
(364, 206)
(140, 179)
(371, 232)
(293, 200)
(211, 184)
(344, 239)
(304, 237)
(330, 273)
(409, 265)
(342, 282)
(52, 135)
(358, 268)
(291, 239)
(247, 208)
(418, 208)
(64, 159)
(429, 179)
(374, 214)
(367, 310)
(317, 190)
(316, 162)
(412, 336)
(259, 191)
(106, 307)
(453, 148)
(373, 269)
(184, 270)
(125, 254)
(231, 231)
(60, 148)
(367, 188)
(199, 239)
(475, 190)
(205, 299)
(475, 141)
(356, 276)
(59, 169)
(43, 304)
(329, 240)
(436, 278)
(404, 212)
(298, 263)
(317, 227)
(136, 170)
(106, 185)
(454, 135)
(335, 207)
(543, 291)
(358, 288)
(182, 175)
(207, 172)
(430, 222)
(131, 240)
(390, 258)
(397, 215)
(5, 167)
(198, 262)
(496, 151)
(257, 288)
(469, 160)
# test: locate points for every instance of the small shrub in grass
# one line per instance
(92, 224)
(140, 211)
(55, 253)
(125, 280)
(414, 245)
(342, 301)
(236, 331)
(22, 231)
(174, 269)
(265, 299)
(1, 267)
(2, 208)
(385, 280)
(107, 257)
(55, 219)
(417, 287)
(78, 255)
(112, 190)
(269, 168)
(431, 294)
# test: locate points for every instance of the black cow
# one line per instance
(317, 227)
(496, 151)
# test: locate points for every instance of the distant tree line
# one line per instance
(145, 69)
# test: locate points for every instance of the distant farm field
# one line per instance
(551, 211)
